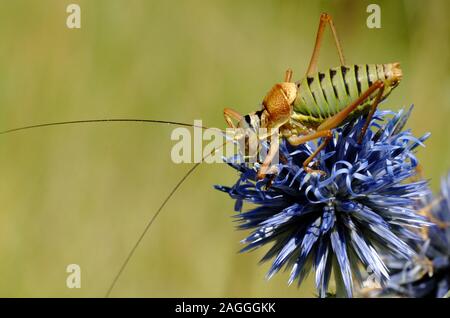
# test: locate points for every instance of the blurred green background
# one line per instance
(82, 194)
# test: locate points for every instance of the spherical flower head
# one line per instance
(344, 220)
(428, 275)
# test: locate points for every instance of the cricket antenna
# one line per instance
(107, 120)
(153, 218)
(147, 227)
(172, 192)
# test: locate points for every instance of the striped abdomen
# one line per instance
(324, 94)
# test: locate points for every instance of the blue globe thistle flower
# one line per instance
(429, 274)
(344, 221)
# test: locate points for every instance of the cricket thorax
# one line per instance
(277, 105)
(324, 94)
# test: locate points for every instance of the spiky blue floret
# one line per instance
(429, 274)
(364, 205)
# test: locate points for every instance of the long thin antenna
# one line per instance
(172, 192)
(84, 121)
(147, 227)
(153, 218)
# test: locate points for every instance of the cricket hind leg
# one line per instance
(324, 130)
(373, 108)
(297, 140)
(339, 118)
(316, 153)
(324, 20)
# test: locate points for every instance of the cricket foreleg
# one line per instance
(266, 167)
(230, 115)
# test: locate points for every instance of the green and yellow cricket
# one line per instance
(304, 110)
(298, 111)
(321, 101)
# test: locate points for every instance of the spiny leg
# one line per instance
(315, 153)
(297, 140)
(324, 19)
(324, 130)
(373, 108)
